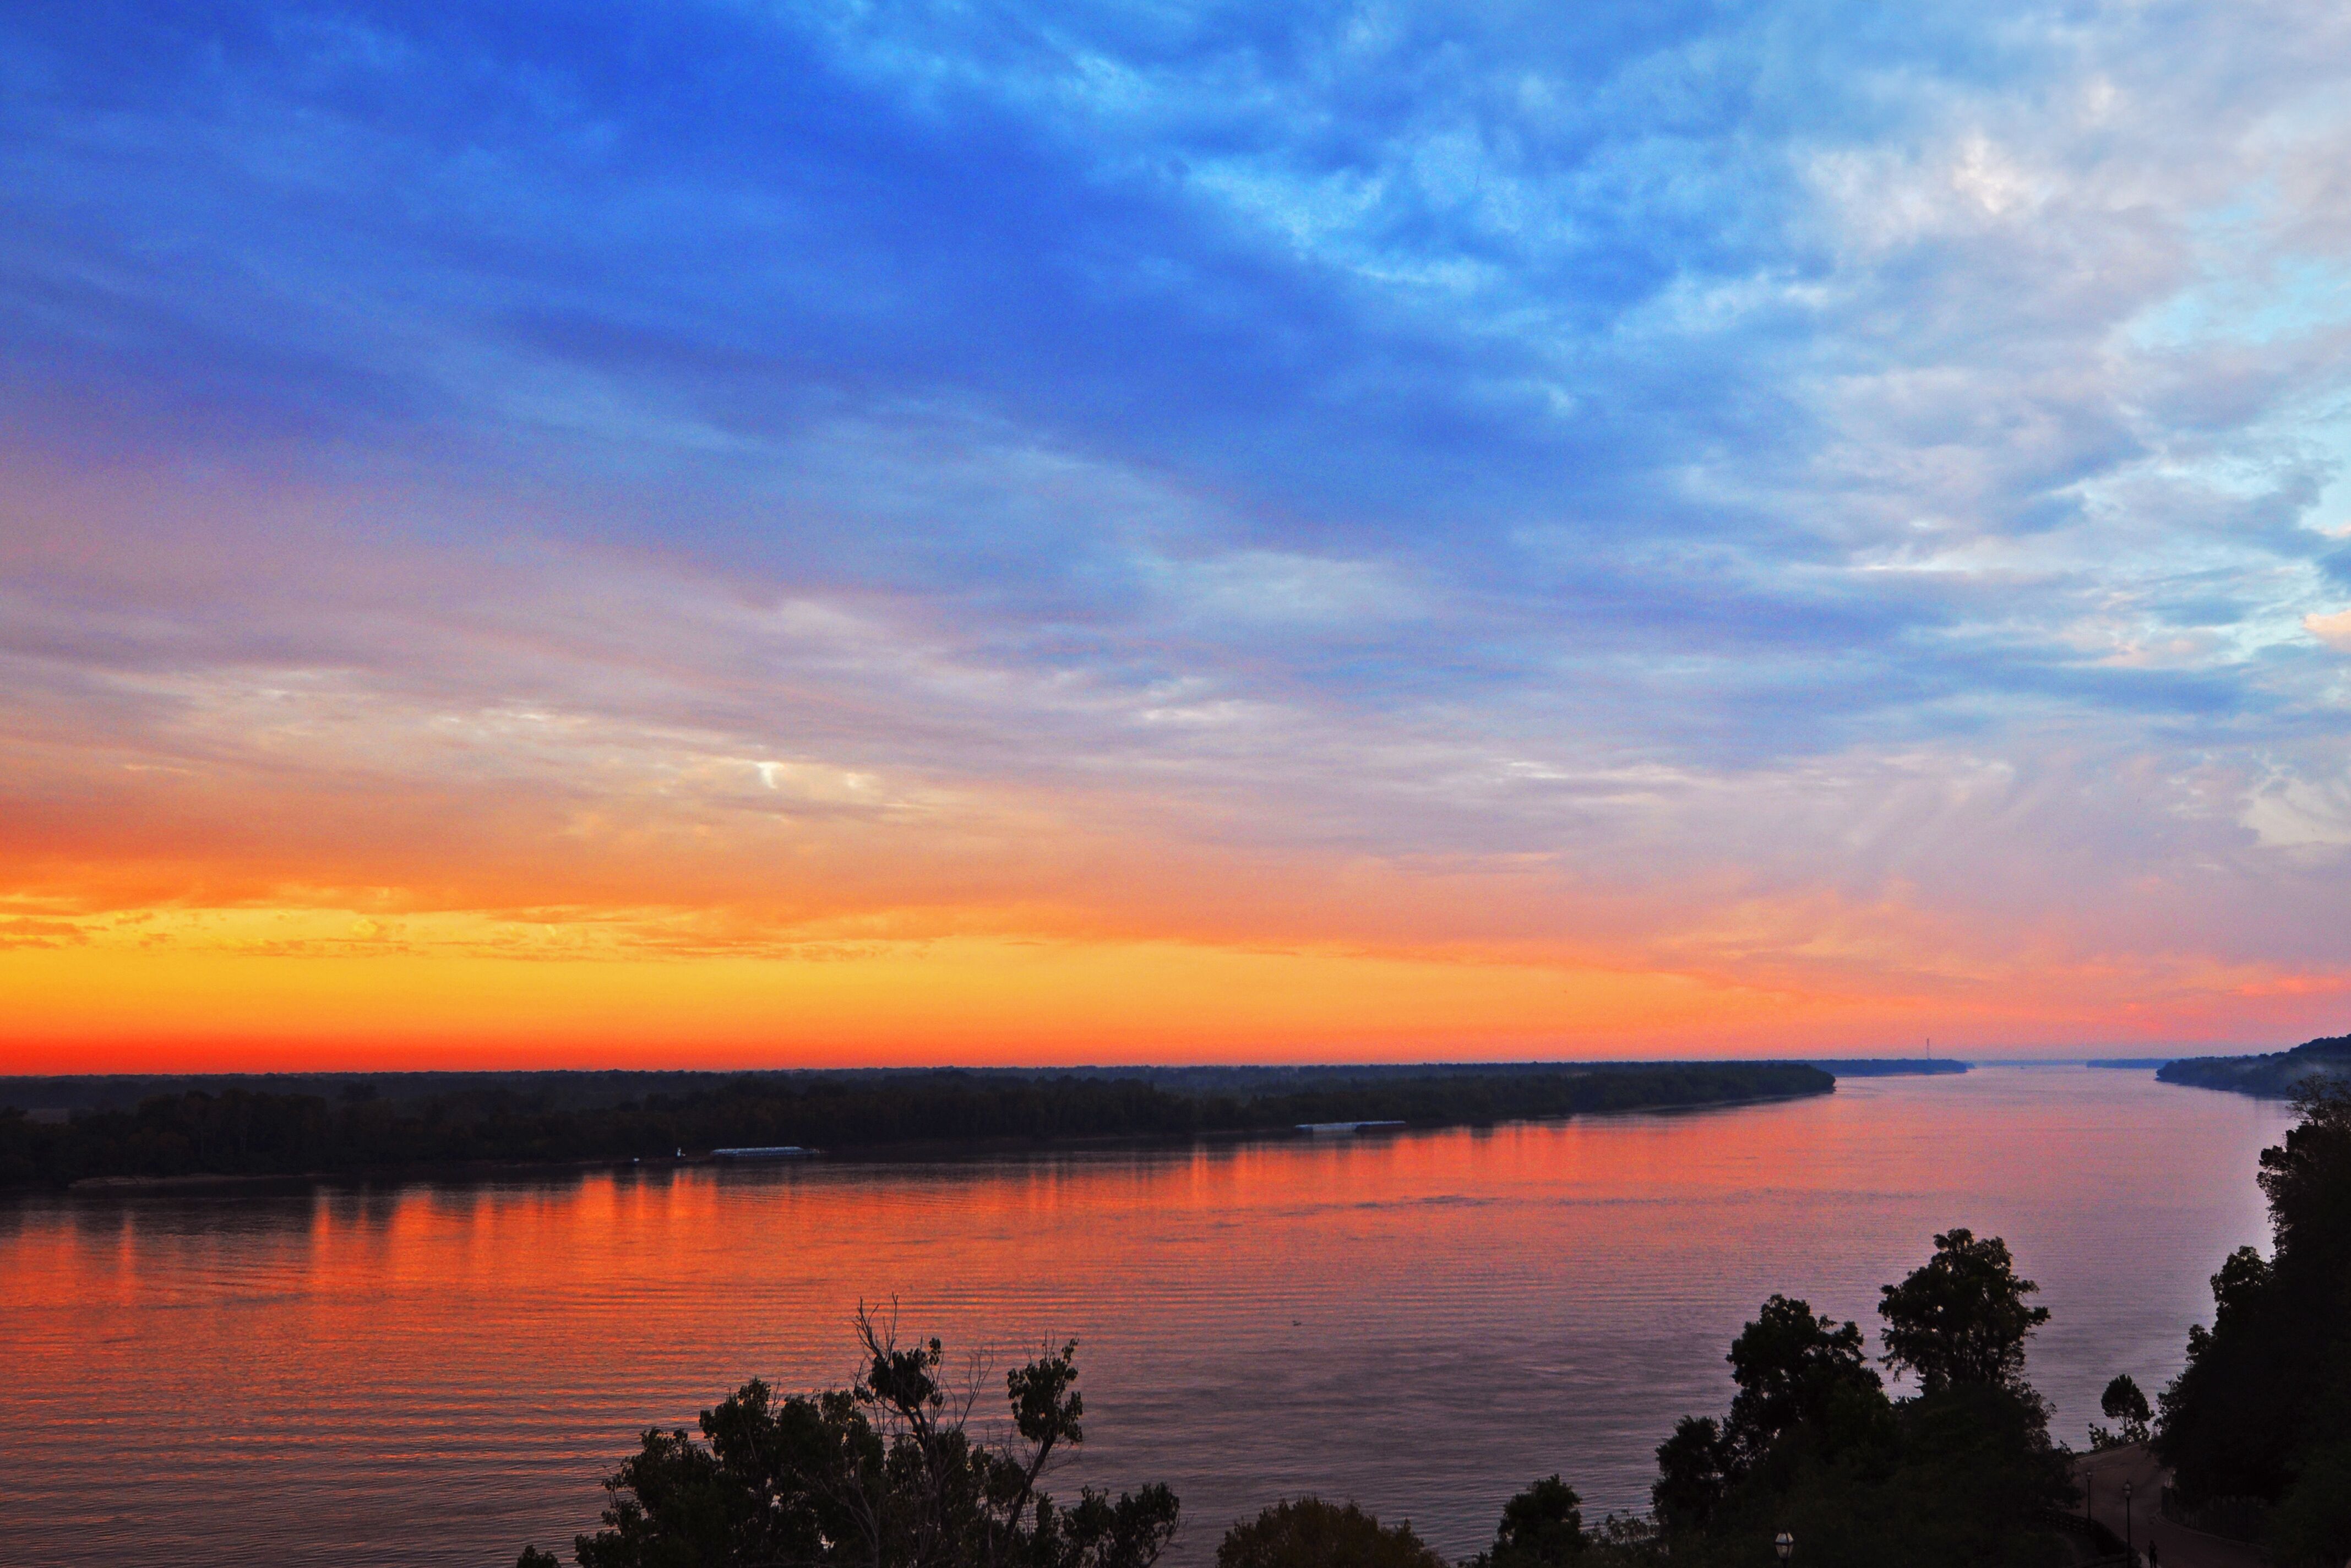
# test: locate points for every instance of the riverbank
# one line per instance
(940, 1151)
(197, 1137)
(2273, 1076)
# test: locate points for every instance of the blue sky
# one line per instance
(1799, 496)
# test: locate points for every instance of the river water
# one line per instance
(438, 1373)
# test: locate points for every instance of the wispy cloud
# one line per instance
(1779, 495)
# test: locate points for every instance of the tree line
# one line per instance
(2258, 1426)
(2275, 1075)
(243, 1132)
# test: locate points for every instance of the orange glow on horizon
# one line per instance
(463, 847)
(258, 991)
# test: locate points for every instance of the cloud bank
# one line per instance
(1664, 529)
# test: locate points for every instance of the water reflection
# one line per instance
(437, 1372)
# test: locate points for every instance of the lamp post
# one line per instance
(1784, 1544)
(2129, 1550)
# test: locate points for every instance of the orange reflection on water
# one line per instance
(439, 1373)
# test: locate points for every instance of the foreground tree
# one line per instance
(1312, 1534)
(1542, 1527)
(2313, 1521)
(2262, 1409)
(1963, 1472)
(884, 1474)
(1792, 1368)
(1796, 1372)
(1694, 1474)
(1961, 1319)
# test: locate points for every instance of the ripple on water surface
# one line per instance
(437, 1374)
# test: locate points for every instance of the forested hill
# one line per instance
(244, 1132)
(2272, 1076)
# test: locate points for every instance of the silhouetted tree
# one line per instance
(1794, 1369)
(2313, 1524)
(884, 1474)
(1312, 1534)
(1961, 1318)
(1541, 1527)
(1963, 1472)
(2122, 1402)
(2263, 1406)
(1694, 1472)
(1790, 1367)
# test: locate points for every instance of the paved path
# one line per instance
(2176, 1545)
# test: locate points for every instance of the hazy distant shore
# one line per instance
(2273, 1076)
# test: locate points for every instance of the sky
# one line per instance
(735, 534)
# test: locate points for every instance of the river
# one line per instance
(436, 1373)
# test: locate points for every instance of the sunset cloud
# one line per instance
(1757, 526)
(2335, 629)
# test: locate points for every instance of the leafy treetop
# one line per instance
(1312, 1534)
(1541, 1527)
(884, 1474)
(1962, 1317)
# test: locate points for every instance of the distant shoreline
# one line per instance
(859, 1155)
(2272, 1076)
(49, 1095)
